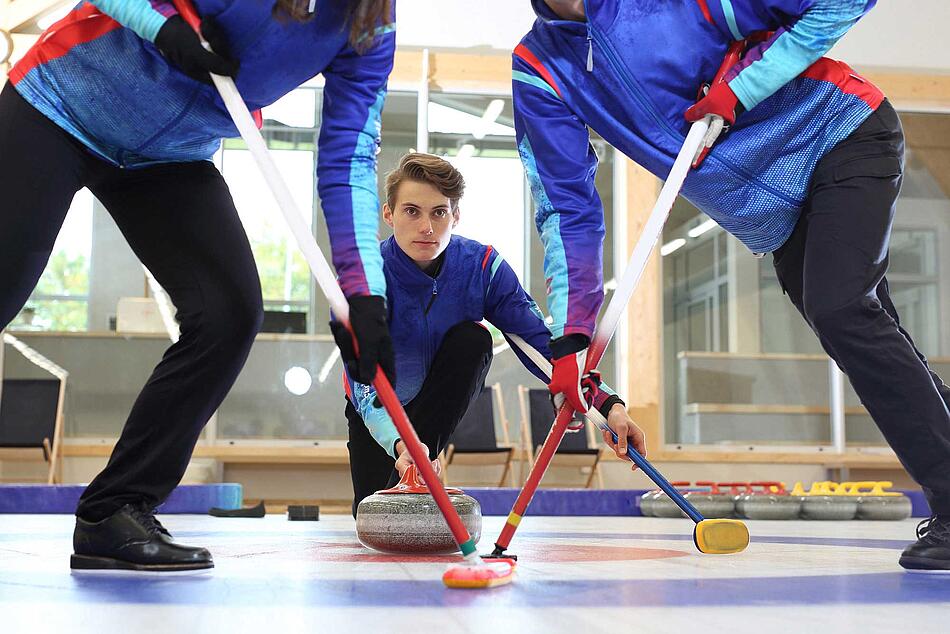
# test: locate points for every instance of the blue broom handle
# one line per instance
(658, 478)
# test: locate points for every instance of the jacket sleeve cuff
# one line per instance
(605, 399)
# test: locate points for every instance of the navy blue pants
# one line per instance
(180, 221)
(832, 268)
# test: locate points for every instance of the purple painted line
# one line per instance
(847, 542)
(271, 589)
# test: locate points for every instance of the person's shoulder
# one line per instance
(472, 251)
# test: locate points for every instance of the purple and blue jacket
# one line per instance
(98, 75)
(630, 72)
(474, 283)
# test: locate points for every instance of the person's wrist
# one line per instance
(568, 344)
(608, 404)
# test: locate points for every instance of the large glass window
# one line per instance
(741, 364)
(61, 298)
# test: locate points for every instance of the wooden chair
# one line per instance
(31, 422)
(475, 443)
(538, 415)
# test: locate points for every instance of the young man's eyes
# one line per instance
(438, 213)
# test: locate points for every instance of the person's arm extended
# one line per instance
(374, 415)
(510, 309)
(346, 163)
(560, 166)
(804, 31)
(145, 17)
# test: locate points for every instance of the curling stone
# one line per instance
(880, 504)
(406, 519)
(710, 501)
(828, 501)
(663, 506)
(735, 491)
(771, 502)
(646, 502)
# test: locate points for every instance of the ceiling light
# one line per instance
(671, 246)
(297, 380)
(701, 228)
(328, 365)
(491, 114)
(466, 151)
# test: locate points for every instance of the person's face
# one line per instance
(422, 220)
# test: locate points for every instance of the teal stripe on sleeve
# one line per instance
(494, 267)
(138, 15)
(555, 272)
(525, 78)
(730, 14)
(365, 200)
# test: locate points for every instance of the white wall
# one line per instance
(902, 34)
(496, 24)
(896, 33)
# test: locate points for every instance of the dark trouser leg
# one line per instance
(833, 269)
(180, 221)
(455, 379)
(41, 169)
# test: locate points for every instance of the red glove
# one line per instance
(568, 377)
(721, 104)
(719, 101)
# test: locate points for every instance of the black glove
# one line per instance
(179, 43)
(368, 319)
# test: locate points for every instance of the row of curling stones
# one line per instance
(771, 501)
(852, 500)
(406, 520)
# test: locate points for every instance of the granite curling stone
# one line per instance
(407, 520)
(646, 502)
(827, 501)
(710, 501)
(664, 506)
(879, 504)
(772, 502)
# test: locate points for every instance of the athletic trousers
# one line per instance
(180, 221)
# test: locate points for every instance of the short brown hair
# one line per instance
(364, 17)
(426, 168)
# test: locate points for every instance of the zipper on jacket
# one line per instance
(590, 48)
(435, 291)
(664, 125)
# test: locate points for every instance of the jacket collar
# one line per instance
(543, 11)
(405, 271)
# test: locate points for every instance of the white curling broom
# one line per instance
(473, 572)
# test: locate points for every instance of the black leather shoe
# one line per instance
(132, 539)
(931, 551)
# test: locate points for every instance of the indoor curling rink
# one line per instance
(575, 574)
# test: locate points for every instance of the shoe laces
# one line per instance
(934, 530)
(146, 517)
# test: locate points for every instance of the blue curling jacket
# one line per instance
(97, 74)
(474, 283)
(630, 72)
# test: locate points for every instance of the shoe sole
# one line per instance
(92, 564)
(926, 566)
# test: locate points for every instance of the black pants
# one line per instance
(180, 221)
(832, 268)
(454, 381)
